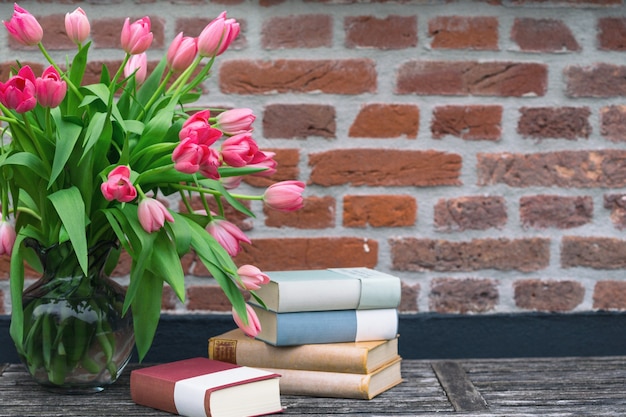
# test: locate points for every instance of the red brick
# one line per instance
(299, 121)
(310, 253)
(473, 122)
(297, 31)
(505, 79)
(613, 122)
(598, 80)
(464, 32)
(609, 295)
(347, 76)
(470, 213)
(617, 204)
(593, 252)
(287, 168)
(384, 167)
(543, 35)
(582, 169)
(612, 33)
(392, 32)
(561, 212)
(317, 213)
(549, 296)
(386, 121)
(379, 211)
(412, 254)
(450, 295)
(408, 300)
(207, 298)
(554, 122)
(105, 32)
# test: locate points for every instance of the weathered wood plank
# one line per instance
(460, 391)
(563, 387)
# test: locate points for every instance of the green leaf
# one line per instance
(94, 130)
(219, 263)
(218, 186)
(181, 234)
(146, 312)
(165, 263)
(70, 207)
(27, 160)
(17, 288)
(156, 128)
(67, 136)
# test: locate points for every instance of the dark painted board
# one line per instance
(422, 336)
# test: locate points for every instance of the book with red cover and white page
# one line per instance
(201, 387)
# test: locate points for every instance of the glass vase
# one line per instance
(76, 339)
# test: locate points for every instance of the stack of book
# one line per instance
(328, 333)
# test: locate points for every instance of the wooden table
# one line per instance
(590, 386)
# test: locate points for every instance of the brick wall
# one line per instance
(475, 149)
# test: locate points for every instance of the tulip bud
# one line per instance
(153, 214)
(23, 27)
(137, 64)
(217, 36)
(50, 88)
(7, 237)
(251, 277)
(77, 26)
(235, 121)
(228, 235)
(285, 195)
(181, 53)
(136, 37)
(253, 327)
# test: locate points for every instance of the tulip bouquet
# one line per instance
(81, 164)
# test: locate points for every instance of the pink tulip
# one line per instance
(239, 150)
(137, 64)
(217, 36)
(228, 235)
(251, 277)
(24, 27)
(118, 185)
(266, 161)
(210, 163)
(253, 327)
(153, 214)
(181, 53)
(285, 195)
(230, 183)
(7, 238)
(50, 88)
(136, 37)
(77, 26)
(197, 126)
(235, 121)
(18, 93)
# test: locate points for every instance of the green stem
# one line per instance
(42, 154)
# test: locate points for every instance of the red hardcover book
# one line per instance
(202, 387)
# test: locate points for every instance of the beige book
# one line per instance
(337, 384)
(349, 357)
